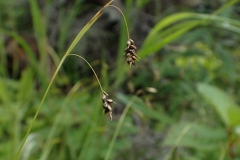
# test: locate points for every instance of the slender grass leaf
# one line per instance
(73, 44)
(40, 32)
(4, 92)
(163, 34)
(26, 85)
(162, 42)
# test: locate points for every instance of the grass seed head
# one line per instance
(130, 52)
(107, 105)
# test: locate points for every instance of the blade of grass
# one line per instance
(40, 32)
(75, 41)
(164, 23)
(187, 16)
(91, 133)
(119, 125)
(182, 16)
(66, 21)
(3, 57)
(174, 28)
(156, 33)
(178, 140)
(158, 45)
(60, 117)
(227, 27)
(227, 5)
(153, 45)
(120, 69)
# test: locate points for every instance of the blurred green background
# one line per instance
(181, 101)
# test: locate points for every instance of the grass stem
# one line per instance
(73, 44)
(123, 18)
(90, 67)
(120, 122)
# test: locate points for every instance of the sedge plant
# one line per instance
(131, 57)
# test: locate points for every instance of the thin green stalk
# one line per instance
(66, 22)
(227, 5)
(119, 125)
(120, 68)
(75, 41)
(123, 18)
(2, 49)
(47, 147)
(40, 32)
(39, 108)
(90, 134)
(90, 67)
(16, 135)
(178, 140)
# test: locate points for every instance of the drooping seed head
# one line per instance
(130, 53)
(107, 107)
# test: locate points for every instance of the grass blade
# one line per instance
(163, 34)
(75, 41)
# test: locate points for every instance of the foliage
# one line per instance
(180, 102)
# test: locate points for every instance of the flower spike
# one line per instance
(130, 52)
(107, 104)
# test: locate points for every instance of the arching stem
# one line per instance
(123, 18)
(73, 44)
(90, 67)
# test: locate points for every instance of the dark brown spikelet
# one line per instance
(130, 52)
(107, 105)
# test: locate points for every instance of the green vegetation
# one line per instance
(180, 101)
